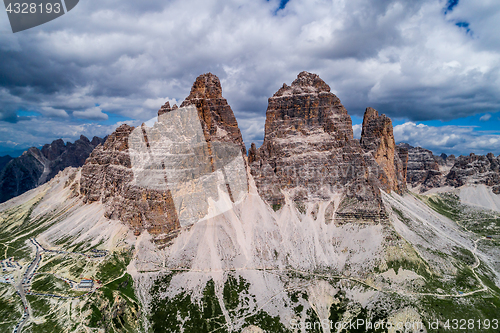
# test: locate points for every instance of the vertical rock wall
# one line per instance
(377, 138)
(309, 152)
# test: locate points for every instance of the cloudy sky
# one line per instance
(433, 66)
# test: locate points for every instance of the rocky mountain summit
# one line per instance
(37, 166)
(108, 176)
(218, 121)
(309, 152)
(423, 170)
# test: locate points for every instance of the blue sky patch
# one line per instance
(450, 5)
(281, 6)
(114, 118)
(464, 25)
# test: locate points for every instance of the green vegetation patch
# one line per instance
(115, 307)
(266, 322)
(276, 207)
(344, 310)
(236, 293)
(114, 266)
(475, 307)
(11, 307)
(50, 262)
(480, 221)
(49, 284)
(180, 313)
(18, 225)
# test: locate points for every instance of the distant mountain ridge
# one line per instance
(4, 160)
(37, 166)
(427, 171)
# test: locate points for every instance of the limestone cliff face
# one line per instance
(377, 138)
(476, 169)
(218, 120)
(404, 157)
(108, 175)
(423, 169)
(427, 171)
(309, 151)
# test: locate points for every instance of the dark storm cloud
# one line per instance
(21, 70)
(406, 58)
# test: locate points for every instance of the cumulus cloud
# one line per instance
(447, 139)
(357, 130)
(52, 112)
(94, 113)
(252, 129)
(486, 117)
(408, 59)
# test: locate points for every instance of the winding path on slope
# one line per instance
(25, 278)
(31, 271)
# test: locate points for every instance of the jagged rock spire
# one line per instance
(377, 137)
(217, 118)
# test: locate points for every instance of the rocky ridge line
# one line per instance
(37, 166)
(427, 171)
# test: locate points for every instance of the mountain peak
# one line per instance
(370, 113)
(37, 166)
(304, 83)
(309, 152)
(84, 139)
(216, 116)
(206, 86)
(110, 174)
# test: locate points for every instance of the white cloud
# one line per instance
(37, 130)
(51, 112)
(447, 139)
(94, 113)
(486, 117)
(357, 130)
(252, 129)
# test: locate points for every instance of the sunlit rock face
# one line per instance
(309, 152)
(377, 137)
(187, 166)
(107, 176)
(427, 171)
